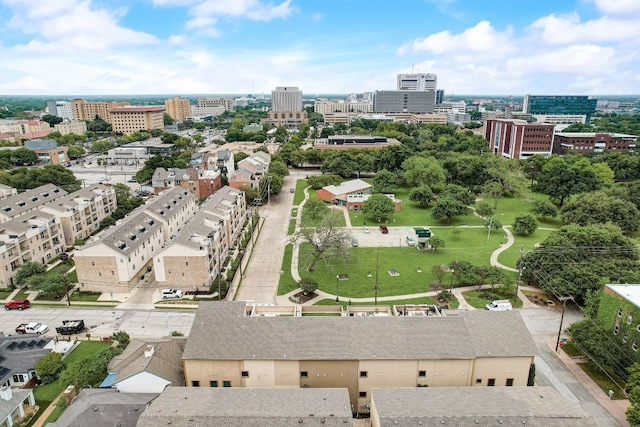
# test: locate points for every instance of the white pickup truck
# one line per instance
(32, 328)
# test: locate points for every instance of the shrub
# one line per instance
(445, 296)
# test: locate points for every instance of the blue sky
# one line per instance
(491, 47)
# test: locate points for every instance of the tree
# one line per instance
(459, 193)
(317, 182)
(484, 209)
(525, 225)
(633, 393)
(598, 208)
(314, 209)
(274, 183)
(544, 209)
(167, 119)
(423, 171)
(421, 195)
(327, 242)
(560, 179)
(492, 190)
(378, 207)
(51, 286)
(122, 337)
(102, 146)
(278, 168)
(386, 181)
(49, 367)
(436, 242)
(169, 138)
(51, 119)
(89, 370)
(308, 284)
(29, 269)
(447, 208)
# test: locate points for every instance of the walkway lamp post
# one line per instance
(337, 279)
(491, 225)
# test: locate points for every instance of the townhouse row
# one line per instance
(170, 239)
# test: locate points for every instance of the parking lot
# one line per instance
(396, 237)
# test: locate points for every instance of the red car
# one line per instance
(17, 303)
(384, 229)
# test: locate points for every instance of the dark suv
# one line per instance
(17, 303)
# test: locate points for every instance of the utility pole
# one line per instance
(66, 289)
(520, 267)
(564, 305)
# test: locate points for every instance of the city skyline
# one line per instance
(154, 47)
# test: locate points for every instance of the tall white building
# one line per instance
(62, 109)
(419, 81)
(286, 99)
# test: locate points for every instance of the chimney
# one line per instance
(5, 393)
(69, 394)
(148, 350)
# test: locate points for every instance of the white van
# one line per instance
(499, 305)
(171, 293)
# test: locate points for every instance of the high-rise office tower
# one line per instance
(286, 99)
(419, 81)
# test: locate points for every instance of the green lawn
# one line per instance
(22, 294)
(511, 256)
(85, 296)
(301, 184)
(294, 212)
(4, 293)
(600, 378)
(338, 214)
(292, 227)
(287, 283)
(423, 300)
(45, 394)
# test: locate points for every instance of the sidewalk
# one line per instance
(616, 408)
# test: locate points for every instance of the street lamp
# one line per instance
(491, 225)
(337, 279)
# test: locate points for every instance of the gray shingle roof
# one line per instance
(470, 335)
(30, 199)
(467, 406)
(166, 361)
(19, 354)
(231, 407)
(104, 407)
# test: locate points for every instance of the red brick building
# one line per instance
(518, 139)
(590, 142)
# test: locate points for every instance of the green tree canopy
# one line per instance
(27, 270)
(378, 207)
(386, 181)
(49, 367)
(421, 195)
(423, 171)
(598, 208)
(447, 208)
(525, 225)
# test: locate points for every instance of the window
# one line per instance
(509, 382)
(619, 312)
(245, 374)
(478, 380)
(304, 374)
(615, 330)
(362, 394)
(629, 319)
(422, 373)
(363, 374)
(491, 382)
(226, 383)
(195, 383)
(213, 383)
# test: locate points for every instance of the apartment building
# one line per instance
(81, 212)
(212, 102)
(48, 152)
(178, 108)
(251, 171)
(112, 261)
(359, 353)
(66, 128)
(194, 256)
(116, 258)
(34, 236)
(200, 182)
(592, 142)
(518, 139)
(6, 191)
(83, 110)
(343, 142)
(32, 200)
(127, 120)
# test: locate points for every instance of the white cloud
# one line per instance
(254, 10)
(316, 17)
(618, 7)
(567, 29)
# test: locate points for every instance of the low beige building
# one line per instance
(67, 128)
(289, 119)
(360, 353)
(81, 212)
(485, 406)
(83, 110)
(35, 236)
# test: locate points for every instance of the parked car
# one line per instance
(70, 327)
(366, 229)
(384, 229)
(292, 190)
(411, 241)
(354, 243)
(17, 304)
(171, 293)
(32, 328)
(132, 179)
